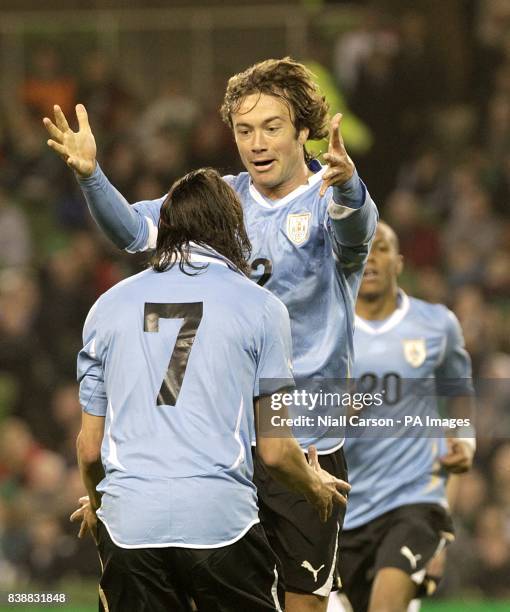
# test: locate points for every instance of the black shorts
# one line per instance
(406, 538)
(241, 576)
(307, 548)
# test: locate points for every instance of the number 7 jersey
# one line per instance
(173, 362)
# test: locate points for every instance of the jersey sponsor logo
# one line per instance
(307, 565)
(415, 351)
(298, 227)
(408, 554)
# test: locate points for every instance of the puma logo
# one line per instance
(307, 565)
(413, 559)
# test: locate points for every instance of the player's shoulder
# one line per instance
(120, 290)
(238, 182)
(274, 305)
(260, 299)
(151, 206)
(437, 315)
(254, 291)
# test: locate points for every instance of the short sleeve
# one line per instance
(453, 374)
(90, 368)
(274, 359)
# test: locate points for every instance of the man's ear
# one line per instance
(303, 136)
(400, 264)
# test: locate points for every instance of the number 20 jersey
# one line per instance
(418, 341)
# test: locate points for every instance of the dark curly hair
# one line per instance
(200, 208)
(286, 79)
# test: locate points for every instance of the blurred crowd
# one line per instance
(438, 167)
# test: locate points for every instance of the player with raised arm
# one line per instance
(397, 517)
(310, 228)
(165, 444)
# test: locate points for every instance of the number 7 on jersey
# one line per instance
(191, 315)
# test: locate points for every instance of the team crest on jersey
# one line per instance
(298, 227)
(415, 351)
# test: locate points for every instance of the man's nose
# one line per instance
(258, 142)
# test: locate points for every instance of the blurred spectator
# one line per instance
(354, 48)
(472, 209)
(416, 68)
(18, 453)
(419, 239)
(66, 415)
(47, 84)
(102, 92)
(211, 142)
(15, 245)
(493, 567)
(432, 286)
(501, 483)
(169, 110)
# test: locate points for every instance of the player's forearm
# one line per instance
(91, 468)
(91, 475)
(463, 409)
(287, 465)
(351, 194)
(353, 225)
(110, 210)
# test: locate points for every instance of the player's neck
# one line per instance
(379, 308)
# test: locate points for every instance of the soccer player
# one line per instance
(397, 518)
(171, 363)
(310, 228)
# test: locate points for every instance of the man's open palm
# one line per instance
(77, 149)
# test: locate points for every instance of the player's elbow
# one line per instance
(88, 448)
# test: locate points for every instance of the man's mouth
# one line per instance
(370, 274)
(262, 165)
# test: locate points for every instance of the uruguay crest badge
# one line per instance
(298, 227)
(415, 351)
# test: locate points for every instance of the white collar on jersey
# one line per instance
(194, 258)
(398, 314)
(201, 257)
(312, 181)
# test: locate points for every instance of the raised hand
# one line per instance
(331, 490)
(340, 165)
(77, 149)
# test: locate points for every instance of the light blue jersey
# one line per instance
(173, 362)
(418, 341)
(306, 249)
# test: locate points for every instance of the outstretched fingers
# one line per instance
(60, 119)
(53, 130)
(59, 148)
(83, 118)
